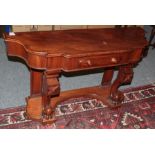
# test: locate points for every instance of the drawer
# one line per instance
(97, 61)
(74, 63)
(94, 61)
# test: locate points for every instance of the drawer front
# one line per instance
(89, 62)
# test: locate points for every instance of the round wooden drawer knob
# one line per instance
(85, 63)
(114, 60)
(89, 63)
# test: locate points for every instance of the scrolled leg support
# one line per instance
(125, 75)
(51, 87)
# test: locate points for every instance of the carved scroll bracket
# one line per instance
(51, 87)
(124, 76)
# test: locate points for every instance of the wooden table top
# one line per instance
(80, 41)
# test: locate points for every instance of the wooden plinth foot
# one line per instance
(36, 111)
(116, 99)
(34, 108)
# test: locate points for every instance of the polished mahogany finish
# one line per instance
(51, 52)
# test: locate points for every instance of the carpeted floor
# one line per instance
(137, 111)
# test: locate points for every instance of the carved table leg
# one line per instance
(34, 105)
(125, 75)
(51, 87)
(35, 82)
(107, 76)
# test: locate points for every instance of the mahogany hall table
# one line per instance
(50, 53)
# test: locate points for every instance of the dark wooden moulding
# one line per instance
(49, 53)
